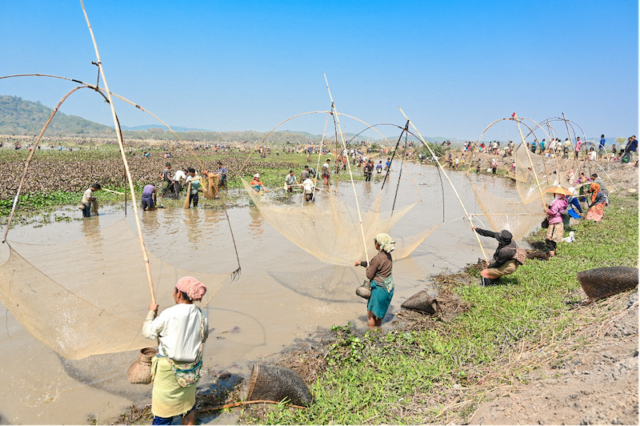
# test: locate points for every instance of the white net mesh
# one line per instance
(332, 232)
(528, 165)
(89, 296)
(503, 213)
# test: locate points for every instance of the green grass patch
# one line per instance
(405, 376)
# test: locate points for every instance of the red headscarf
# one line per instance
(192, 287)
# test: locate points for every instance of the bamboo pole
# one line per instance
(533, 169)
(124, 159)
(315, 178)
(450, 183)
(33, 151)
(353, 185)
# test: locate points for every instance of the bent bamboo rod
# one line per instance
(124, 159)
(448, 180)
(533, 169)
(33, 151)
(353, 185)
(122, 98)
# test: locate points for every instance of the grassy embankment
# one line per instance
(429, 371)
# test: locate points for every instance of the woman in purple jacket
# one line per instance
(555, 230)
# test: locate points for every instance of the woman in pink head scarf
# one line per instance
(181, 331)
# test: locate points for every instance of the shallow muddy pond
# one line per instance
(283, 292)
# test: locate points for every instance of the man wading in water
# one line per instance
(379, 274)
(506, 258)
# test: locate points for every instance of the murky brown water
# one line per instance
(283, 292)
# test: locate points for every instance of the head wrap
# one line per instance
(256, 176)
(595, 188)
(386, 243)
(192, 287)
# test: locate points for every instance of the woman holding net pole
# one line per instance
(181, 331)
(379, 274)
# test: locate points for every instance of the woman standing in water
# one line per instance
(181, 331)
(379, 273)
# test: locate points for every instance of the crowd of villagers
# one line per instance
(182, 329)
(567, 205)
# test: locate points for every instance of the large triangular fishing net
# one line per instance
(331, 231)
(510, 214)
(528, 166)
(89, 296)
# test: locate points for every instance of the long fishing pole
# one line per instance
(124, 159)
(533, 169)
(449, 180)
(353, 185)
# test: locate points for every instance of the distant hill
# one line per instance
(160, 126)
(18, 116)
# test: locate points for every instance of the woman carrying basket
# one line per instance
(181, 331)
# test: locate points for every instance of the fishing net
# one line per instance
(210, 186)
(510, 214)
(331, 231)
(528, 165)
(89, 296)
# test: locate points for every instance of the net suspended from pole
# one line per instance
(88, 297)
(527, 166)
(510, 214)
(330, 230)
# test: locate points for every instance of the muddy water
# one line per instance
(283, 292)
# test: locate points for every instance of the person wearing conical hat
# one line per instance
(379, 274)
(555, 231)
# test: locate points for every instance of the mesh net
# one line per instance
(89, 296)
(332, 233)
(526, 164)
(210, 186)
(503, 213)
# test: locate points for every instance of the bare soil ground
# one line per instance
(597, 385)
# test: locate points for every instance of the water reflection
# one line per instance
(255, 226)
(194, 232)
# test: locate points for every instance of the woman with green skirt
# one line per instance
(379, 274)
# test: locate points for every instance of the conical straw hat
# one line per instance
(558, 190)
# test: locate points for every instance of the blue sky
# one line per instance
(453, 66)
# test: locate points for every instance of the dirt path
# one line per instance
(598, 385)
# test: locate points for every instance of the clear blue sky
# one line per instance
(453, 66)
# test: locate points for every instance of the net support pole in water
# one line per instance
(353, 185)
(33, 151)
(448, 180)
(533, 169)
(124, 159)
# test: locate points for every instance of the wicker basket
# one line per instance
(139, 372)
(364, 292)
(272, 383)
(421, 301)
(603, 282)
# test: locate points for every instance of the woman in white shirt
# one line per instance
(181, 331)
